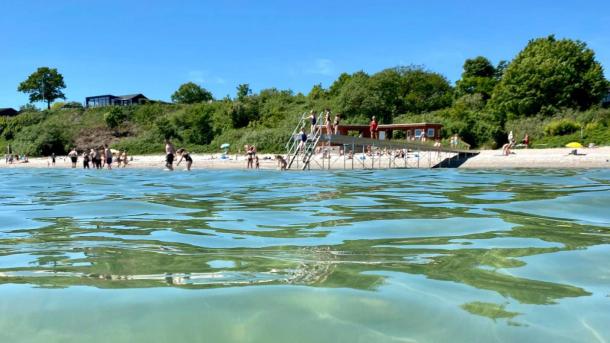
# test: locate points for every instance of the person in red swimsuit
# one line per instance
(373, 128)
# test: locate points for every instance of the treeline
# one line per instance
(551, 90)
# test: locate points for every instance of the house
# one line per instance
(110, 100)
(8, 112)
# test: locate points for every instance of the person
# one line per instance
(186, 156)
(506, 149)
(86, 159)
(169, 154)
(373, 128)
(281, 162)
(256, 162)
(312, 117)
(95, 158)
(511, 139)
(250, 155)
(526, 141)
(303, 137)
(119, 159)
(73, 157)
(53, 159)
(328, 123)
(454, 140)
(336, 123)
(108, 156)
(124, 157)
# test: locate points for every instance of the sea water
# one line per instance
(263, 256)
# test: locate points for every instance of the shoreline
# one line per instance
(552, 158)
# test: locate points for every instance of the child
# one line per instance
(185, 155)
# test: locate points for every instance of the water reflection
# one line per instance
(325, 230)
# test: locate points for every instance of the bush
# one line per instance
(561, 127)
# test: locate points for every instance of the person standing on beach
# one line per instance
(53, 159)
(169, 154)
(73, 157)
(373, 128)
(124, 157)
(186, 156)
(108, 156)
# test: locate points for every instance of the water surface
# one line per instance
(358, 256)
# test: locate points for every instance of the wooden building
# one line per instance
(409, 131)
(112, 100)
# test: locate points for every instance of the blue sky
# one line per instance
(151, 47)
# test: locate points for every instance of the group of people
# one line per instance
(332, 127)
(95, 158)
(506, 148)
(16, 158)
(170, 154)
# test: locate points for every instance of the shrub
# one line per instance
(561, 127)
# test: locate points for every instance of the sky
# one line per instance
(152, 47)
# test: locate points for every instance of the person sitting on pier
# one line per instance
(373, 128)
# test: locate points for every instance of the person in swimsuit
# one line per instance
(73, 157)
(373, 128)
(53, 159)
(336, 124)
(124, 157)
(119, 159)
(328, 123)
(86, 159)
(108, 156)
(250, 155)
(169, 154)
(186, 156)
(312, 117)
(303, 137)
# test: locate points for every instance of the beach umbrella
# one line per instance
(225, 146)
(574, 145)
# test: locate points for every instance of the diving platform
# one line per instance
(311, 148)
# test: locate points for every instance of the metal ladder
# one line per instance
(292, 146)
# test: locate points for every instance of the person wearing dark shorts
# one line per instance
(108, 156)
(169, 154)
(73, 157)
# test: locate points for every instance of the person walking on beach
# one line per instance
(186, 156)
(108, 156)
(373, 128)
(169, 154)
(73, 157)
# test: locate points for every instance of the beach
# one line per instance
(557, 158)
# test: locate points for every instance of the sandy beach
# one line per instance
(486, 159)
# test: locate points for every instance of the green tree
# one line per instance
(45, 84)
(479, 77)
(191, 93)
(243, 90)
(547, 75)
(115, 117)
(317, 92)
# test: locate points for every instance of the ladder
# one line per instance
(293, 146)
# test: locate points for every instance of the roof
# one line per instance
(8, 111)
(130, 96)
(389, 126)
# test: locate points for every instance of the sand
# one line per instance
(487, 159)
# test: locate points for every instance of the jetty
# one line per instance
(351, 147)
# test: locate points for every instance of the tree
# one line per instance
(479, 77)
(115, 117)
(550, 74)
(243, 90)
(45, 84)
(191, 93)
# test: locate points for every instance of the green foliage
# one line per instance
(191, 93)
(243, 90)
(195, 125)
(561, 127)
(550, 74)
(45, 84)
(115, 117)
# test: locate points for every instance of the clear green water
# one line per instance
(370, 256)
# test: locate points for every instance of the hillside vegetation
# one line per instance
(551, 90)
